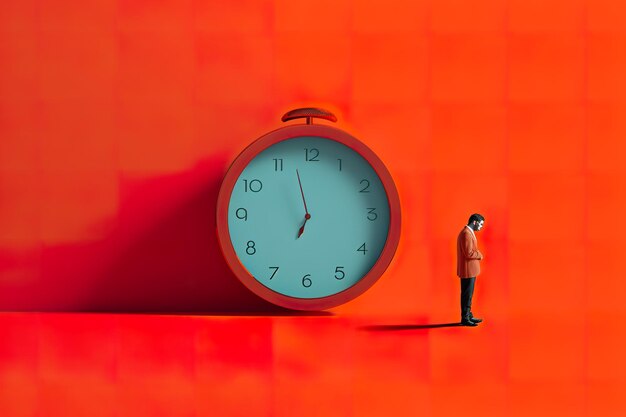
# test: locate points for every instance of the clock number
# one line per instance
(275, 268)
(242, 214)
(255, 186)
(278, 164)
(339, 159)
(362, 249)
(312, 157)
(250, 249)
(367, 185)
(339, 270)
(306, 281)
(371, 214)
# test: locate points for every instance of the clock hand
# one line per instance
(307, 216)
(302, 192)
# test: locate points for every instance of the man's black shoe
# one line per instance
(468, 323)
(475, 320)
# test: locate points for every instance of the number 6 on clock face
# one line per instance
(310, 218)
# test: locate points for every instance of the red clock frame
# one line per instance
(242, 161)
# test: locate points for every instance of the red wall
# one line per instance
(119, 119)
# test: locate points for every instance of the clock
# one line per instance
(308, 217)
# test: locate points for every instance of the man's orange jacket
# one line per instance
(467, 255)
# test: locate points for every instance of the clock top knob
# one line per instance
(309, 113)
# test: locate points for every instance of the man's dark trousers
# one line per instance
(467, 291)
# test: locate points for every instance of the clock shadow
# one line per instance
(175, 265)
(159, 254)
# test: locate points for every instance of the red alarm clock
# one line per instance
(308, 216)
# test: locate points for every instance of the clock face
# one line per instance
(342, 239)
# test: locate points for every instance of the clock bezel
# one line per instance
(223, 201)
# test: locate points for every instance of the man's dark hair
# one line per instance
(475, 217)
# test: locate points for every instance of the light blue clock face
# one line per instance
(342, 239)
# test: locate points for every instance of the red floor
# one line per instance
(157, 365)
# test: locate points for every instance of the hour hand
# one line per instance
(306, 217)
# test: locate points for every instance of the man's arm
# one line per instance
(469, 250)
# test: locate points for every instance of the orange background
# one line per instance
(118, 120)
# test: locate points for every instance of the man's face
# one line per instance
(478, 225)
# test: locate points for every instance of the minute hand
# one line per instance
(307, 216)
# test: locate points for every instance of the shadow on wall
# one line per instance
(161, 255)
(174, 263)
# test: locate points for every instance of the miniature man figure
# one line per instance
(468, 266)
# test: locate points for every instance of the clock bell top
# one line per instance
(309, 113)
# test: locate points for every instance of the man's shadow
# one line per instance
(398, 327)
